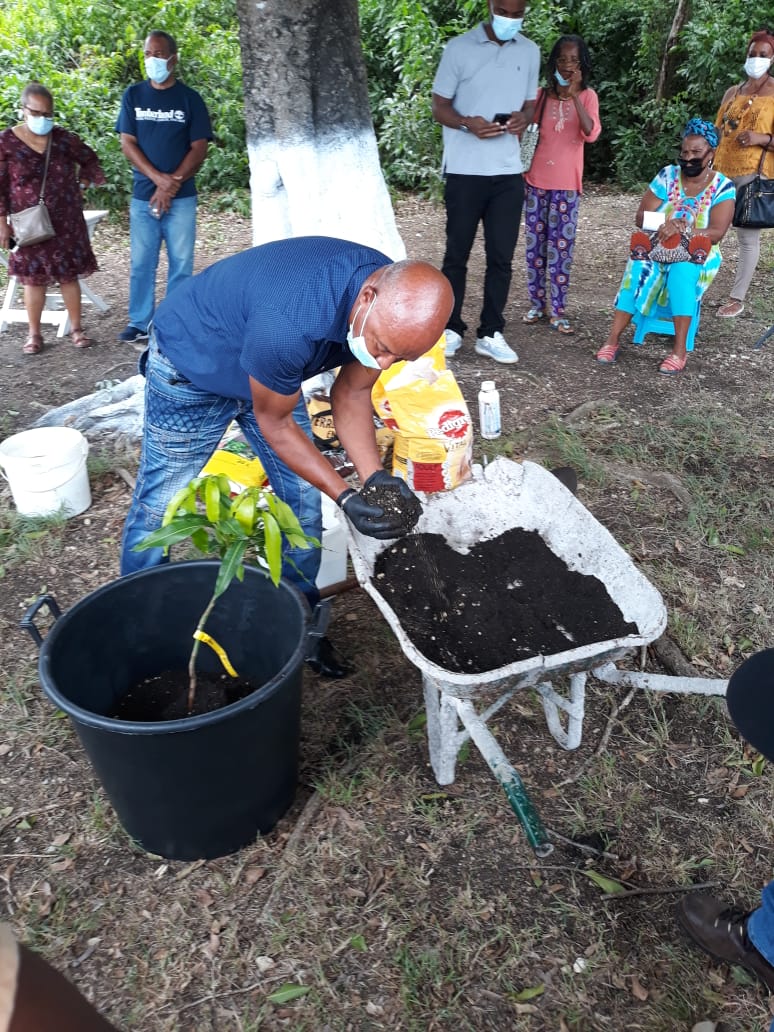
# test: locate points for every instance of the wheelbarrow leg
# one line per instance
(444, 738)
(511, 783)
(569, 738)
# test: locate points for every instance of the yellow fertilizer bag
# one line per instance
(422, 404)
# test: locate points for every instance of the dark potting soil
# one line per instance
(507, 600)
(164, 696)
(392, 502)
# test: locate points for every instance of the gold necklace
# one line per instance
(730, 125)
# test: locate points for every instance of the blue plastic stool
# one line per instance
(661, 322)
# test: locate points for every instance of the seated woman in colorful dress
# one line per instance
(694, 205)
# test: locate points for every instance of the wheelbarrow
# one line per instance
(502, 496)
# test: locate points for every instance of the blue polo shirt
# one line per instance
(483, 78)
(278, 313)
(165, 123)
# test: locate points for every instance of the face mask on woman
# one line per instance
(691, 167)
(561, 79)
(40, 125)
(755, 67)
(156, 69)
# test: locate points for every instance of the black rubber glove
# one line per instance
(381, 486)
(381, 478)
(370, 520)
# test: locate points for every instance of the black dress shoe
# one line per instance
(327, 662)
(721, 931)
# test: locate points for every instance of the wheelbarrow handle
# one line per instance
(27, 622)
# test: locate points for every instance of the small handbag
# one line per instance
(531, 137)
(681, 247)
(755, 201)
(33, 225)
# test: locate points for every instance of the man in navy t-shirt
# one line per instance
(236, 342)
(164, 129)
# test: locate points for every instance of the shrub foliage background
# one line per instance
(87, 53)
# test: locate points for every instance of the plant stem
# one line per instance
(194, 653)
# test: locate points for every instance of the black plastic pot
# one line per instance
(203, 786)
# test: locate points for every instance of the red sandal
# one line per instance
(608, 354)
(33, 345)
(80, 340)
(673, 365)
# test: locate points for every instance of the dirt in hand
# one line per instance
(509, 599)
(394, 504)
(164, 696)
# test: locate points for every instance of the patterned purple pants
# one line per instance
(551, 219)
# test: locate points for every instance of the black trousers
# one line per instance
(495, 201)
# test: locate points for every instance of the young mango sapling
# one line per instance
(251, 525)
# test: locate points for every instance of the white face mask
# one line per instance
(156, 69)
(506, 28)
(357, 344)
(755, 67)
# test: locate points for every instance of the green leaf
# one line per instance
(357, 942)
(273, 547)
(529, 993)
(288, 992)
(419, 722)
(606, 884)
(464, 751)
(179, 529)
(232, 561)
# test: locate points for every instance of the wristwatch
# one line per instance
(463, 128)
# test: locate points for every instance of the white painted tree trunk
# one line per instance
(314, 164)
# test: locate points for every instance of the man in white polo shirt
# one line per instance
(484, 97)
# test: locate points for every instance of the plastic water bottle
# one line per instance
(489, 410)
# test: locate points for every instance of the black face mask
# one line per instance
(691, 167)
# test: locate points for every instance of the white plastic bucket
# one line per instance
(333, 560)
(46, 471)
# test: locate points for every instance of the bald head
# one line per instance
(413, 303)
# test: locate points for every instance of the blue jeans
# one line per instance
(760, 927)
(178, 231)
(183, 427)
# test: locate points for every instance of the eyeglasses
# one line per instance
(567, 62)
(39, 114)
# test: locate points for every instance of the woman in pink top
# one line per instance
(568, 114)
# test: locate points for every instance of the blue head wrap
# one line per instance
(698, 127)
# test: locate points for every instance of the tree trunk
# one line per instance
(314, 165)
(669, 60)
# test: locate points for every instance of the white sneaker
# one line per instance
(496, 347)
(453, 343)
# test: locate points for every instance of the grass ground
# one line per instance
(382, 900)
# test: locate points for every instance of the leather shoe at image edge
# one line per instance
(721, 931)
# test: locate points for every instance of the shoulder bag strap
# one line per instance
(45, 172)
(541, 105)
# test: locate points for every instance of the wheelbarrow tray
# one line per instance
(506, 495)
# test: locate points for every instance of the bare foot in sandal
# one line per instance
(80, 340)
(33, 345)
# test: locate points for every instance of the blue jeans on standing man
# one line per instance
(183, 427)
(177, 229)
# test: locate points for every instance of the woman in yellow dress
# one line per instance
(745, 123)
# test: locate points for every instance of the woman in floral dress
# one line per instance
(72, 167)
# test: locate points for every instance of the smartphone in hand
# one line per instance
(502, 117)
